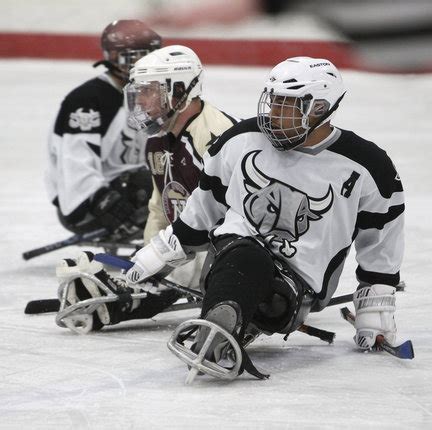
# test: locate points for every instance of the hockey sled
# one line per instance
(197, 361)
(78, 317)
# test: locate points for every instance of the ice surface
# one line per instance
(124, 377)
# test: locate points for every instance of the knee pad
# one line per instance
(286, 309)
(242, 272)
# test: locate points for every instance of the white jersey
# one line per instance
(307, 206)
(176, 163)
(90, 144)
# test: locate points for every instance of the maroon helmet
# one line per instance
(124, 42)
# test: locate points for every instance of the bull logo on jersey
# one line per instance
(85, 121)
(278, 211)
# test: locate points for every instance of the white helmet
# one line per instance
(297, 90)
(161, 84)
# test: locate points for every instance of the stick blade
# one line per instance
(42, 306)
(405, 350)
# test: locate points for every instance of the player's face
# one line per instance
(285, 115)
(149, 99)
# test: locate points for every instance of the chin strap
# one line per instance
(154, 126)
(321, 121)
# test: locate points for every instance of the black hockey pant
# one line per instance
(243, 271)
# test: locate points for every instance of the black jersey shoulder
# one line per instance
(374, 159)
(89, 108)
(245, 126)
(232, 119)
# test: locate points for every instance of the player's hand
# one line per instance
(111, 209)
(375, 308)
(163, 250)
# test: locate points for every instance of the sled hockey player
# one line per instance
(164, 101)
(97, 175)
(281, 199)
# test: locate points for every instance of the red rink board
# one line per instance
(211, 51)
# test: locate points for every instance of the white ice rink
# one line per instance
(124, 377)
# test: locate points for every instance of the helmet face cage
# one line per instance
(300, 95)
(178, 71)
(127, 58)
(147, 105)
(283, 119)
(124, 60)
(124, 42)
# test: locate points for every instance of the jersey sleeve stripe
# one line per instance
(187, 235)
(95, 148)
(187, 139)
(377, 278)
(213, 184)
(368, 220)
(332, 268)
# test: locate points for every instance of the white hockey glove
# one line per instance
(375, 308)
(163, 250)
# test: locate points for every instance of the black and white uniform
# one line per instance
(306, 206)
(90, 145)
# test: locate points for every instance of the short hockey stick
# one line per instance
(326, 336)
(73, 240)
(404, 351)
(53, 305)
(42, 306)
(35, 307)
(123, 264)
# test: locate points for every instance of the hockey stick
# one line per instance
(123, 264)
(326, 336)
(35, 307)
(53, 305)
(404, 350)
(42, 306)
(73, 240)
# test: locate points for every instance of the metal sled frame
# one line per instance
(84, 307)
(197, 361)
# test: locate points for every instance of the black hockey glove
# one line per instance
(111, 209)
(136, 186)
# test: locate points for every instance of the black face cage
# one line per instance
(122, 62)
(277, 119)
(129, 57)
